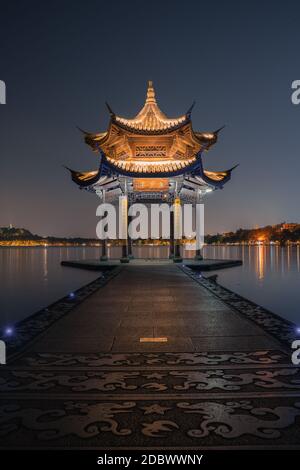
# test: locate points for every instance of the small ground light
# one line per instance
(298, 329)
(8, 331)
(71, 295)
(154, 340)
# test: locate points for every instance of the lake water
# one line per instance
(32, 278)
(270, 276)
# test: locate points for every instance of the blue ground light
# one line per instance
(8, 331)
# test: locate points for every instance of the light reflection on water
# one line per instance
(270, 276)
(32, 278)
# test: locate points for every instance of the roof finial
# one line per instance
(150, 93)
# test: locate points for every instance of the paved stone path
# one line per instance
(94, 380)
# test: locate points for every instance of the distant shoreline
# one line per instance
(117, 243)
(284, 234)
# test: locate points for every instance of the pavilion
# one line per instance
(151, 158)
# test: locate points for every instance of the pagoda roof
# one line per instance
(98, 140)
(150, 118)
(150, 145)
(98, 177)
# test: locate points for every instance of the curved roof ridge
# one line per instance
(151, 117)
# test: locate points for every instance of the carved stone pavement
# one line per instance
(79, 375)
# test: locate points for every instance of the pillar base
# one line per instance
(177, 259)
(198, 258)
(130, 256)
(103, 258)
(125, 259)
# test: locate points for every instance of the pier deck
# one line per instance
(152, 359)
(203, 265)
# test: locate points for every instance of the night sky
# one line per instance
(62, 60)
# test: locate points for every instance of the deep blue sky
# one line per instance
(62, 60)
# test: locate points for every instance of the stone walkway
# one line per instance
(151, 360)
